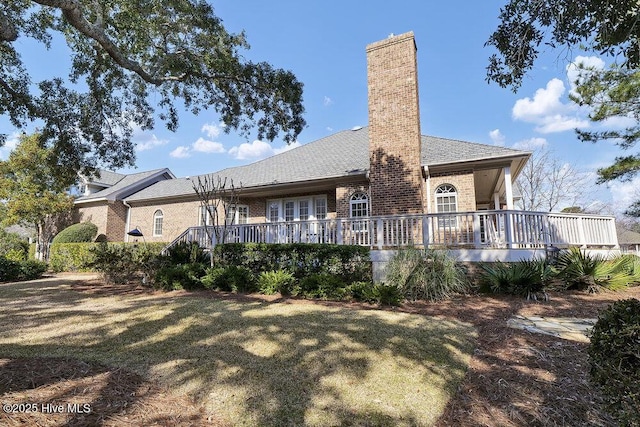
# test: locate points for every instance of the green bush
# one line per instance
(187, 253)
(363, 291)
(230, 279)
(180, 276)
(614, 355)
(430, 275)
(13, 247)
(71, 256)
(324, 286)
(582, 271)
(527, 278)
(388, 294)
(77, 233)
(14, 271)
(350, 263)
(271, 282)
(117, 263)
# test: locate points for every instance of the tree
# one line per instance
(126, 54)
(545, 182)
(29, 187)
(608, 27)
(219, 207)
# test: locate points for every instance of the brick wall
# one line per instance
(177, 217)
(343, 198)
(394, 127)
(96, 213)
(110, 218)
(465, 188)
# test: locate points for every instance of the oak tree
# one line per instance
(135, 61)
(603, 27)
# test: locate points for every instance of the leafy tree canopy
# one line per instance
(29, 188)
(605, 27)
(131, 58)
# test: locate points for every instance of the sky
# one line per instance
(323, 43)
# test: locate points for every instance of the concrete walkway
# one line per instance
(568, 328)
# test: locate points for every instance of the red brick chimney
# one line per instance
(395, 175)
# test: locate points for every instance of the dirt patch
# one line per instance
(516, 378)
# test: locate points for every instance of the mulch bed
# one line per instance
(516, 378)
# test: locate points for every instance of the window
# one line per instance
(205, 216)
(359, 205)
(238, 214)
(298, 209)
(157, 222)
(447, 202)
(359, 208)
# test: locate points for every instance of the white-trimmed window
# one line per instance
(238, 214)
(447, 202)
(297, 209)
(359, 205)
(158, 218)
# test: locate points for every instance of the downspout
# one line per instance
(427, 181)
(127, 226)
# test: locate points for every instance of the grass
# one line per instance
(253, 363)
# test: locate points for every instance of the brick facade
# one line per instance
(343, 198)
(110, 218)
(464, 184)
(394, 127)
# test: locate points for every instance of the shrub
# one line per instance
(582, 271)
(180, 276)
(350, 263)
(77, 233)
(71, 256)
(323, 285)
(527, 278)
(230, 279)
(388, 294)
(187, 253)
(271, 282)
(12, 246)
(117, 263)
(431, 274)
(614, 355)
(11, 270)
(363, 291)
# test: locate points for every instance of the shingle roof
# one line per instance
(123, 184)
(342, 154)
(106, 178)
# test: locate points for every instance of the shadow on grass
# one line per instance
(254, 363)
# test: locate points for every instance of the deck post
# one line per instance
(379, 233)
(581, 233)
(477, 236)
(339, 232)
(508, 229)
(425, 231)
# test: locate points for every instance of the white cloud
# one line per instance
(10, 144)
(212, 130)
(258, 150)
(181, 152)
(530, 144)
(624, 194)
(497, 137)
(146, 141)
(547, 111)
(327, 101)
(205, 146)
(574, 70)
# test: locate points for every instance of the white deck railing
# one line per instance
(478, 230)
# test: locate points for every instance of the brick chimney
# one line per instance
(395, 176)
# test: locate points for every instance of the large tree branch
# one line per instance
(8, 31)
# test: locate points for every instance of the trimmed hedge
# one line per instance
(348, 263)
(77, 233)
(14, 271)
(79, 256)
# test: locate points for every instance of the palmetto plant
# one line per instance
(527, 278)
(581, 270)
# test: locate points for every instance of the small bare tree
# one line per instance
(219, 204)
(546, 182)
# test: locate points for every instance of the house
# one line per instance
(383, 185)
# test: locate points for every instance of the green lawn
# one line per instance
(254, 363)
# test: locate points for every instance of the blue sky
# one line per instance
(323, 43)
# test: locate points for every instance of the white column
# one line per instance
(508, 187)
(496, 200)
(427, 180)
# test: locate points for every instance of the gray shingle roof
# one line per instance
(126, 182)
(107, 178)
(342, 154)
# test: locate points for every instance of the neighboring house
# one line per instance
(382, 185)
(629, 241)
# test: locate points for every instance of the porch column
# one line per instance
(508, 187)
(496, 200)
